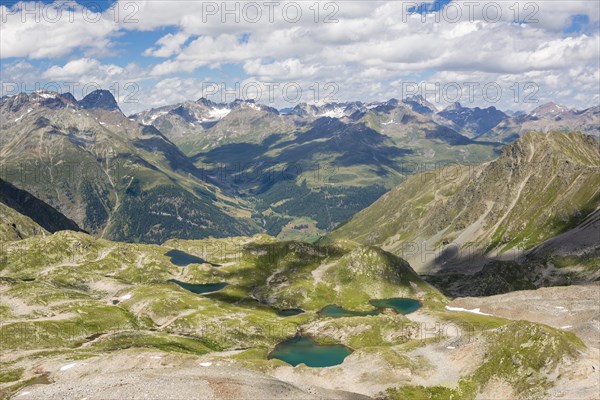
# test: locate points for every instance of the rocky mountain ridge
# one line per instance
(461, 219)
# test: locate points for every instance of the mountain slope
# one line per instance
(114, 177)
(540, 186)
(16, 226)
(38, 211)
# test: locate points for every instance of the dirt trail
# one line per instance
(318, 272)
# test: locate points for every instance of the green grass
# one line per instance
(67, 333)
(369, 331)
(153, 340)
(473, 322)
(423, 393)
(589, 261)
(10, 375)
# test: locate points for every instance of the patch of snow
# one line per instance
(205, 364)
(473, 311)
(66, 367)
(46, 95)
(450, 347)
(159, 114)
(337, 112)
(102, 123)
(566, 327)
(126, 297)
(156, 357)
(28, 111)
(218, 113)
(23, 394)
(162, 213)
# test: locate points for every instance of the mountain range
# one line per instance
(201, 168)
(114, 177)
(549, 117)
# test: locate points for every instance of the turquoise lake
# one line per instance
(401, 305)
(303, 350)
(335, 311)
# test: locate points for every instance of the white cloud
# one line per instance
(37, 30)
(168, 91)
(380, 39)
(85, 68)
(372, 47)
(88, 72)
(168, 45)
(289, 69)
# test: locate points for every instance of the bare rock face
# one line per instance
(102, 99)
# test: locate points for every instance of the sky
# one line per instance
(514, 55)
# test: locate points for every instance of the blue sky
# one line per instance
(174, 51)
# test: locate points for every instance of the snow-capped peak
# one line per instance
(46, 94)
(217, 113)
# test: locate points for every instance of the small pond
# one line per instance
(335, 311)
(290, 312)
(303, 350)
(401, 305)
(200, 288)
(183, 259)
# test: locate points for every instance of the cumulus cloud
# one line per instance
(84, 68)
(289, 69)
(380, 39)
(38, 30)
(366, 48)
(168, 45)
